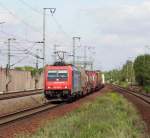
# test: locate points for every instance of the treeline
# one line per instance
(132, 73)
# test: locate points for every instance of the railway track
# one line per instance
(12, 117)
(143, 97)
(18, 115)
(20, 94)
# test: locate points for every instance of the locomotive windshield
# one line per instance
(57, 75)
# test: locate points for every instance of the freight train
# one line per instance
(68, 82)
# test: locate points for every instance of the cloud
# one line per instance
(121, 31)
(123, 19)
(8, 18)
(118, 29)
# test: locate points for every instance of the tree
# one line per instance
(113, 76)
(123, 76)
(142, 70)
(127, 72)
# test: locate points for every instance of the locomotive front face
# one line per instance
(57, 81)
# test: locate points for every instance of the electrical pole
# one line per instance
(74, 48)
(55, 49)
(91, 56)
(37, 59)
(8, 63)
(40, 42)
(52, 10)
(131, 73)
(8, 75)
(54, 53)
(85, 57)
(9, 55)
(44, 37)
(1, 23)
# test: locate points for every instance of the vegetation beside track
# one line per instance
(147, 89)
(33, 70)
(132, 73)
(109, 116)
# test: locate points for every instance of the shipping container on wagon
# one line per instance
(84, 80)
(95, 80)
(91, 80)
(98, 80)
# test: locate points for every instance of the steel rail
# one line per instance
(11, 95)
(12, 117)
(140, 96)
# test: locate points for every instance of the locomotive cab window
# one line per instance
(62, 74)
(57, 75)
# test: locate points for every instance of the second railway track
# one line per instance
(143, 97)
(5, 119)
(11, 95)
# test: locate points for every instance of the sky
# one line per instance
(113, 31)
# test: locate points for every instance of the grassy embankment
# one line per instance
(145, 89)
(110, 116)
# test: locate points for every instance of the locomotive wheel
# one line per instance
(77, 96)
(82, 94)
(71, 98)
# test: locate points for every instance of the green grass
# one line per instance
(147, 89)
(110, 116)
(124, 84)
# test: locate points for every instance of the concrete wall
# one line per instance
(15, 80)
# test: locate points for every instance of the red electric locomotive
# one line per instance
(68, 82)
(63, 82)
